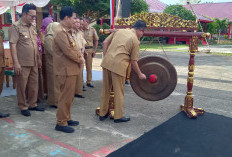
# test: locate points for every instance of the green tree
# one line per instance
(91, 8)
(138, 6)
(180, 11)
(221, 25)
(99, 8)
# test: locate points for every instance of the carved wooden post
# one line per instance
(111, 105)
(188, 104)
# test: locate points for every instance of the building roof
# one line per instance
(156, 6)
(213, 10)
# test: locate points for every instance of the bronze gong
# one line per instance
(164, 84)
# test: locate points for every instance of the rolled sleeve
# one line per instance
(135, 51)
(95, 36)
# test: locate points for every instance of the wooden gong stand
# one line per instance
(194, 37)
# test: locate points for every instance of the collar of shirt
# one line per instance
(66, 28)
(87, 28)
(24, 23)
(73, 31)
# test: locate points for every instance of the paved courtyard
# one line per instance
(35, 136)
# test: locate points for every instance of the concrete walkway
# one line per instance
(35, 136)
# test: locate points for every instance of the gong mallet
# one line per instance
(152, 78)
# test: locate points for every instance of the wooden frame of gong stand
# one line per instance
(187, 107)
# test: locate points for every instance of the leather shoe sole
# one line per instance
(90, 85)
(2, 115)
(101, 118)
(79, 96)
(123, 119)
(72, 123)
(26, 113)
(37, 108)
(66, 129)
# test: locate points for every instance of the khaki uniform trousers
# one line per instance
(27, 87)
(88, 64)
(53, 89)
(128, 71)
(112, 79)
(67, 90)
(2, 73)
(79, 83)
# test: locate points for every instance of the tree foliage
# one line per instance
(138, 6)
(99, 8)
(180, 11)
(91, 8)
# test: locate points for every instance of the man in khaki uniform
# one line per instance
(119, 49)
(80, 42)
(2, 71)
(24, 50)
(52, 84)
(67, 59)
(90, 35)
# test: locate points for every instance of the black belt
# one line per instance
(88, 47)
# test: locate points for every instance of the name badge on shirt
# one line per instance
(73, 43)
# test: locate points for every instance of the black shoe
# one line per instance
(90, 85)
(25, 113)
(127, 82)
(123, 119)
(66, 129)
(37, 108)
(2, 115)
(38, 101)
(101, 118)
(79, 96)
(83, 89)
(73, 123)
(53, 106)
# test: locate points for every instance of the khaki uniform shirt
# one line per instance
(79, 38)
(66, 54)
(90, 35)
(2, 62)
(24, 36)
(124, 47)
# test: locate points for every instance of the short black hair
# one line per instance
(87, 19)
(28, 7)
(66, 11)
(140, 24)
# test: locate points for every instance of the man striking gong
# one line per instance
(119, 49)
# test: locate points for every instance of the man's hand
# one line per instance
(18, 69)
(142, 76)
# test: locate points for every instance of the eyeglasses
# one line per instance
(32, 16)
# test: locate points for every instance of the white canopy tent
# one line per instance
(7, 4)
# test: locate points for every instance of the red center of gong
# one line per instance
(152, 78)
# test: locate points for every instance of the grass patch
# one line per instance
(159, 47)
(221, 54)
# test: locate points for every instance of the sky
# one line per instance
(202, 1)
